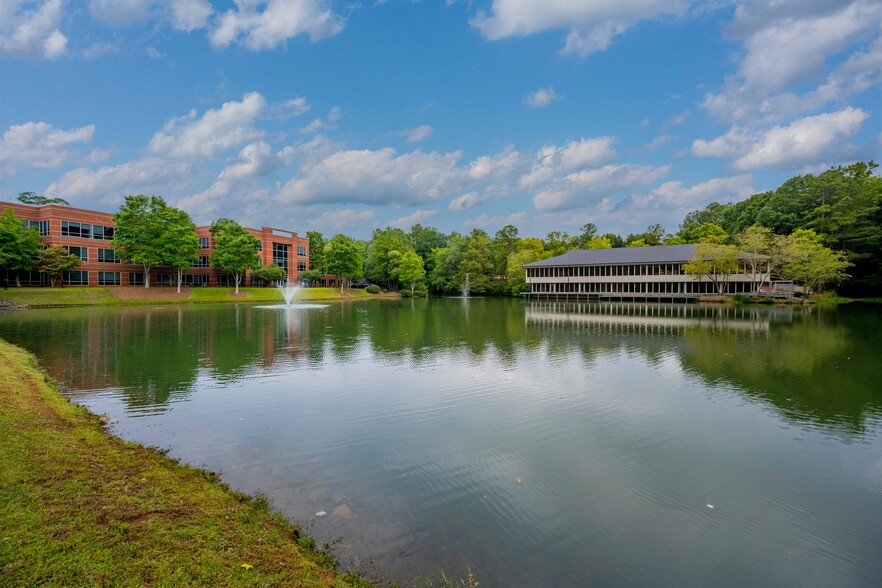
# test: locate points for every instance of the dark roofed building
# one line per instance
(648, 273)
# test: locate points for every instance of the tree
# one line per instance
(141, 223)
(311, 276)
(476, 262)
(762, 251)
(18, 245)
(425, 240)
(616, 240)
(35, 200)
(717, 262)
(557, 243)
(808, 261)
(587, 233)
(448, 275)
(411, 270)
(597, 243)
(516, 280)
(179, 242)
(504, 244)
(636, 242)
(344, 258)
(705, 233)
(235, 249)
(57, 260)
(383, 255)
(273, 273)
(316, 251)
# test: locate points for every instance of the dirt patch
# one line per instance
(154, 293)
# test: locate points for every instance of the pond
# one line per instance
(534, 443)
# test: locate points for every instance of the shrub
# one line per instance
(742, 298)
(372, 289)
(766, 300)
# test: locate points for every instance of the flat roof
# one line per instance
(621, 256)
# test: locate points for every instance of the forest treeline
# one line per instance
(840, 208)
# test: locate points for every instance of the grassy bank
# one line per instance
(94, 296)
(80, 507)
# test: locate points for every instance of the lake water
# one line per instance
(537, 444)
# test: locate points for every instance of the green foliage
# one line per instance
(57, 260)
(558, 243)
(311, 276)
(34, 200)
(504, 244)
(515, 274)
(587, 234)
(717, 262)
(616, 240)
(742, 298)
(316, 252)
(705, 233)
(448, 275)
(411, 270)
(372, 289)
(140, 227)
(344, 258)
(18, 246)
(597, 243)
(179, 242)
(383, 255)
(636, 242)
(809, 262)
(425, 240)
(653, 235)
(476, 262)
(270, 273)
(235, 249)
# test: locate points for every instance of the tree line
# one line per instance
(819, 230)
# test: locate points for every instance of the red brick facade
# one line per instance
(63, 226)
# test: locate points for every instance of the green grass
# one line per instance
(80, 507)
(89, 296)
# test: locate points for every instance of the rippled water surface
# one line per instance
(537, 444)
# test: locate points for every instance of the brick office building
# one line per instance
(89, 235)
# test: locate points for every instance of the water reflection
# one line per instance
(411, 423)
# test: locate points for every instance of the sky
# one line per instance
(344, 116)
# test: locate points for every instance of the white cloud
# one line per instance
(580, 188)
(674, 195)
(296, 106)
(467, 201)
(39, 145)
(542, 98)
(183, 15)
(804, 141)
(199, 138)
(788, 45)
(591, 26)
(32, 32)
(141, 176)
(377, 177)
(417, 134)
(255, 160)
(551, 160)
(97, 50)
(279, 21)
(484, 221)
(419, 216)
(659, 141)
(339, 220)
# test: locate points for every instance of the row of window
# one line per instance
(663, 269)
(41, 226)
(85, 231)
(652, 288)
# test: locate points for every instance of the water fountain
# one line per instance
(465, 287)
(288, 291)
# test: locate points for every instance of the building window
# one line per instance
(195, 280)
(81, 252)
(41, 226)
(280, 255)
(101, 232)
(225, 280)
(301, 266)
(109, 279)
(301, 250)
(78, 278)
(136, 278)
(164, 280)
(203, 242)
(203, 261)
(107, 256)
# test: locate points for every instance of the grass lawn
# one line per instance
(80, 507)
(89, 296)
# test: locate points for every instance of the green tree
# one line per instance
(636, 242)
(616, 240)
(597, 243)
(762, 251)
(705, 233)
(477, 264)
(316, 251)
(516, 276)
(557, 243)
(808, 261)
(383, 254)
(273, 273)
(448, 275)
(18, 246)
(180, 243)
(141, 223)
(344, 258)
(425, 240)
(311, 276)
(587, 234)
(35, 200)
(411, 270)
(235, 249)
(504, 244)
(717, 262)
(57, 260)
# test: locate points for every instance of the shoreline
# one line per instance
(82, 506)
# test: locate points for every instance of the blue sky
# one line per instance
(346, 116)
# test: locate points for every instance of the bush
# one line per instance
(742, 298)
(766, 300)
(372, 289)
